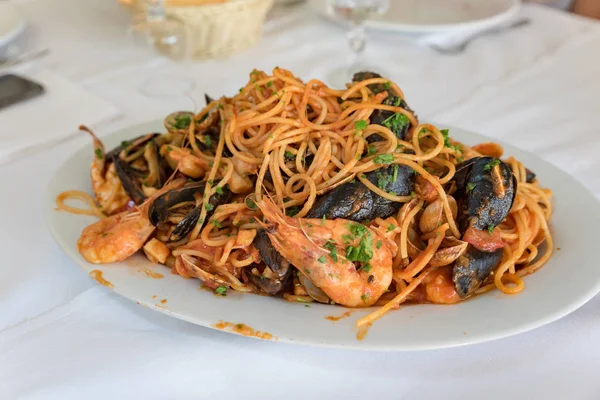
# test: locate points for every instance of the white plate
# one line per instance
(11, 23)
(571, 278)
(429, 16)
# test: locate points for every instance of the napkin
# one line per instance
(50, 118)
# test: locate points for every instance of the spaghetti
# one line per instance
(292, 143)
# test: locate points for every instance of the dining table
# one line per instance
(63, 336)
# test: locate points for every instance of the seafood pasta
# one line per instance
(313, 194)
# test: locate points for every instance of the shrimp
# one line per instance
(107, 187)
(439, 287)
(321, 250)
(119, 236)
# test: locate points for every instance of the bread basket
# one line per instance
(216, 29)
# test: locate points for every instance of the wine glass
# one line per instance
(355, 12)
(167, 36)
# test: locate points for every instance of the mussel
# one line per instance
(398, 123)
(374, 87)
(161, 207)
(281, 268)
(486, 189)
(472, 268)
(356, 202)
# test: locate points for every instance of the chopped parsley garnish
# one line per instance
(378, 245)
(322, 260)
(182, 121)
(291, 211)
(307, 305)
(412, 195)
(363, 252)
(124, 143)
(330, 245)
(490, 229)
(222, 290)
(391, 227)
(371, 150)
(364, 297)
(387, 85)
(309, 225)
(207, 141)
(491, 164)
(220, 106)
(209, 207)
(301, 300)
(399, 146)
(360, 125)
(384, 159)
(251, 204)
(470, 186)
(336, 276)
(270, 83)
(367, 267)
(447, 142)
(219, 189)
(396, 122)
(169, 148)
(216, 224)
(99, 153)
(323, 221)
(289, 156)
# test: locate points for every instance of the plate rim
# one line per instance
(550, 317)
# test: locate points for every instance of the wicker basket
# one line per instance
(218, 30)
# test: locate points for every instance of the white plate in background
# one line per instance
(11, 23)
(430, 16)
(566, 282)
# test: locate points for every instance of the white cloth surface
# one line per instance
(49, 118)
(536, 87)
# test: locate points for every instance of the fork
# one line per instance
(460, 47)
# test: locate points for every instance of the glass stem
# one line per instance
(357, 41)
(155, 11)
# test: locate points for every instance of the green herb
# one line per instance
(270, 83)
(252, 220)
(391, 227)
(169, 149)
(307, 305)
(395, 176)
(251, 204)
(367, 267)
(371, 149)
(347, 238)
(209, 207)
(323, 221)
(222, 290)
(306, 270)
(291, 211)
(210, 182)
(470, 186)
(358, 157)
(399, 146)
(271, 136)
(289, 156)
(219, 190)
(378, 245)
(322, 260)
(365, 296)
(216, 224)
(124, 143)
(99, 153)
(490, 229)
(301, 300)
(330, 245)
(387, 85)
(360, 125)
(182, 121)
(207, 141)
(336, 276)
(220, 106)
(396, 122)
(364, 251)
(357, 229)
(241, 89)
(412, 195)
(491, 164)
(384, 159)
(309, 225)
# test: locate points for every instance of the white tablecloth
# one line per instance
(62, 336)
